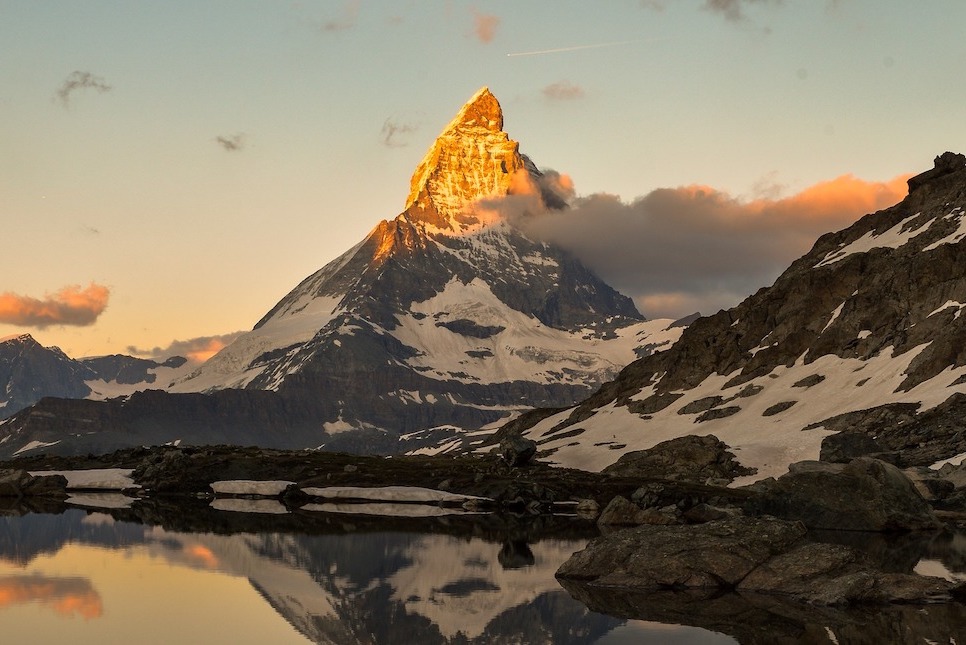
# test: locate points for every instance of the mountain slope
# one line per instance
(869, 318)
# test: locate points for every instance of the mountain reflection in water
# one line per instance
(176, 574)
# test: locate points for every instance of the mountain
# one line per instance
(446, 317)
(863, 334)
(30, 371)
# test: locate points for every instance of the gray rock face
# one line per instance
(19, 484)
(690, 458)
(863, 495)
(763, 555)
(843, 447)
(29, 372)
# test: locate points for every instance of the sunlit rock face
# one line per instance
(472, 158)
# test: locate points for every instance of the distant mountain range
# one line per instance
(30, 371)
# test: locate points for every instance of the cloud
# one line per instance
(350, 14)
(69, 306)
(484, 25)
(694, 248)
(563, 91)
(394, 133)
(231, 142)
(78, 80)
(66, 596)
(733, 9)
(196, 350)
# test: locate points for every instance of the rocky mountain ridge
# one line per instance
(870, 317)
(30, 371)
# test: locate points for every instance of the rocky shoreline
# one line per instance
(668, 518)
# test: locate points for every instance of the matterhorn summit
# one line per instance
(446, 315)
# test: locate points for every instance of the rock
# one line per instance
(843, 447)
(929, 484)
(17, 484)
(350, 468)
(864, 495)
(701, 405)
(688, 458)
(623, 512)
(944, 164)
(701, 513)
(588, 509)
(809, 381)
(707, 555)
(516, 450)
(778, 408)
(718, 413)
(750, 555)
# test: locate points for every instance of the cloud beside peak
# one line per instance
(72, 305)
(78, 81)
(695, 248)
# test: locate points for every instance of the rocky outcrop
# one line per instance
(864, 495)
(19, 484)
(748, 555)
(690, 458)
(517, 451)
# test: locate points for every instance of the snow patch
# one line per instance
(33, 445)
(264, 488)
(235, 505)
(893, 238)
(94, 479)
(412, 494)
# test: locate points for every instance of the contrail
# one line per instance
(575, 48)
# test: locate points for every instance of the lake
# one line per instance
(199, 575)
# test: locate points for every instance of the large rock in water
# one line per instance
(864, 495)
(690, 458)
(763, 555)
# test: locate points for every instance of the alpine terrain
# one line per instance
(447, 317)
(864, 335)
(30, 371)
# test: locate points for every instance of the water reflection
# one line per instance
(191, 573)
(85, 577)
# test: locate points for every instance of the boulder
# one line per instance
(18, 484)
(843, 447)
(517, 450)
(689, 458)
(864, 495)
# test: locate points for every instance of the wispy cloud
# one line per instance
(734, 9)
(71, 305)
(231, 142)
(78, 81)
(196, 350)
(350, 14)
(395, 134)
(563, 91)
(484, 25)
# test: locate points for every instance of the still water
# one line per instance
(200, 575)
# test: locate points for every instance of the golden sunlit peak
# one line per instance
(470, 160)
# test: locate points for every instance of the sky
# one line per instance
(170, 170)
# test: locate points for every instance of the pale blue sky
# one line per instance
(128, 187)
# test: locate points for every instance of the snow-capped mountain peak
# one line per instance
(472, 159)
